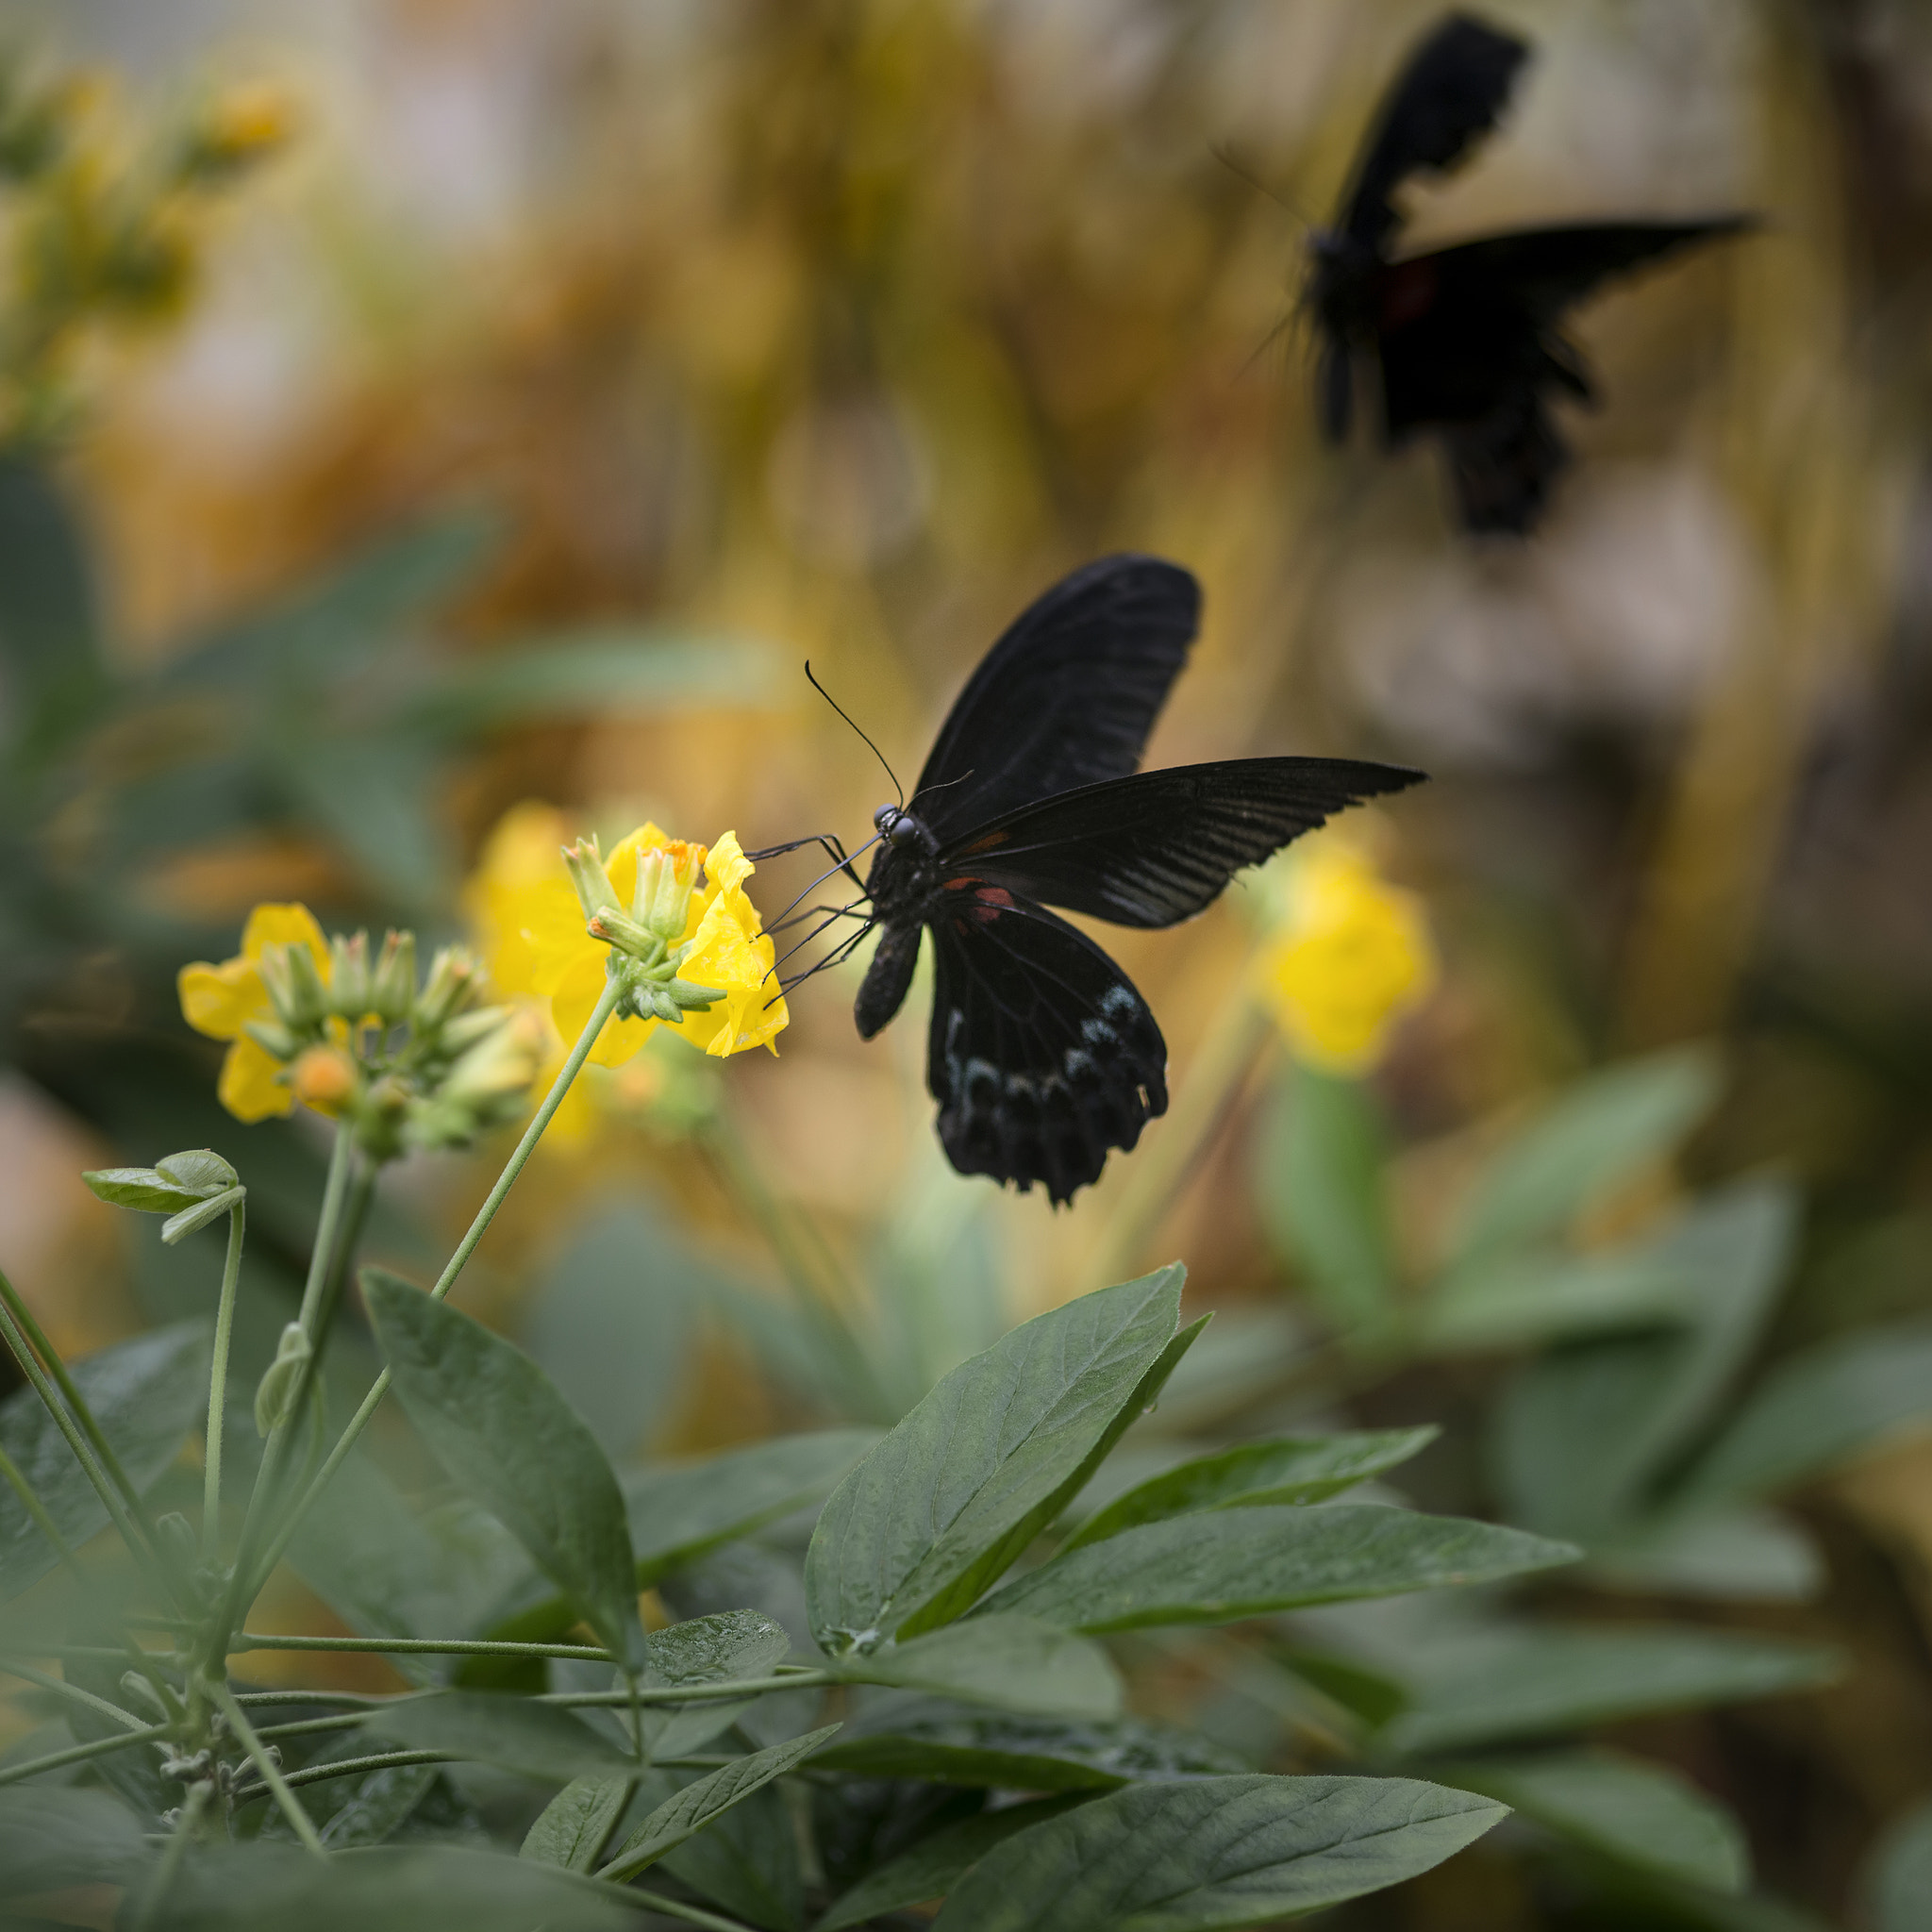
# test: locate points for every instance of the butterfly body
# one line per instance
(1041, 1054)
(1464, 344)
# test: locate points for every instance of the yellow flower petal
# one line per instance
(284, 925)
(217, 1000)
(248, 1087)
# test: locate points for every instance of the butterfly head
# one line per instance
(901, 831)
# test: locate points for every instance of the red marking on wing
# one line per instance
(985, 843)
(988, 902)
(1407, 293)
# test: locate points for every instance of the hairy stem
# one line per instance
(271, 1773)
(79, 1754)
(192, 1805)
(218, 1389)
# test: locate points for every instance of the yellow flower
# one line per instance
(1353, 956)
(530, 928)
(221, 1000)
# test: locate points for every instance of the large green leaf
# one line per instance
(1227, 1564)
(52, 1837)
(728, 1645)
(390, 1571)
(518, 1734)
(746, 1859)
(573, 1829)
(1214, 1856)
(390, 1888)
(936, 1863)
(1579, 1433)
(704, 1799)
(1534, 1683)
(1744, 1553)
(679, 1512)
(945, 1503)
(361, 1808)
(1594, 1136)
(1516, 1301)
(1821, 1409)
(1642, 1813)
(1025, 1753)
(1018, 1662)
(1321, 1188)
(507, 1437)
(1289, 1469)
(146, 1394)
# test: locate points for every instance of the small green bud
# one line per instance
(691, 997)
(272, 1038)
(466, 1029)
(624, 934)
(454, 981)
(663, 902)
(295, 986)
(392, 984)
(177, 1539)
(348, 976)
(584, 864)
(275, 1395)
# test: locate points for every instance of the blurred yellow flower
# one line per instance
(220, 1001)
(1352, 956)
(531, 931)
(241, 126)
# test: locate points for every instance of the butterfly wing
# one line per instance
(1066, 698)
(1449, 95)
(1041, 1055)
(1156, 848)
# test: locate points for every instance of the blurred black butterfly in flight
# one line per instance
(1466, 341)
(1041, 1055)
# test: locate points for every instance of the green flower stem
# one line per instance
(139, 1545)
(73, 1692)
(16, 1480)
(607, 1005)
(79, 1754)
(218, 1391)
(338, 1767)
(264, 1763)
(18, 1309)
(191, 1807)
(428, 1646)
(677, 1908)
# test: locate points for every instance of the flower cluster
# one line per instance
(353, 1035)
(671, 919)
(1351, 955)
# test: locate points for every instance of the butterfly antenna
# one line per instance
(847, 716)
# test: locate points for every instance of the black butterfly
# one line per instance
(1041, 1055)
(1466, 341)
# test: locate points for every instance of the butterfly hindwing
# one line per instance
(1068, 695)
(1041, 1055)
(1449, 95)
(1157, 847)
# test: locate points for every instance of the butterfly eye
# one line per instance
(882, 818)
(904, 831)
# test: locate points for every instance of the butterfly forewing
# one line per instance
(1156, 848)
(1066, 698)
(1041, 1055)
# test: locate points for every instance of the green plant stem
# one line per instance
(573, 1066)
(1237, 1043)
(138, 1545)
(191, 1807)
(18, 1309)
(427, 1646)
(79, 1754)
(73, 1692)
(340, 1767)
(675, 1908)
(16, 1480)
(218, 1389)
(270, 1774)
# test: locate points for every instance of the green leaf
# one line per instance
(1024, 1754)
(144, 1188)
(1746, 1553)
(387, 1570)
(573, 1829)
(945, 1503)
(505, 1436)
(200, 1169)
(390, 1888)
(1018, 1662)
(359, 1810)
(52, 1837)
(374, 793)
(1532, 1683)
(936, 1863)
(698, 1803)
(1515, 1301)
(146, 1394)
(1214, 1856)
(1640, 1813)
(1596, 1135)
(600, 672)
(678, 1514)
(540, 1741)
(746, 1860)
(1228, 1565)
(1822, 1409)
(1899, 1876)
(1289, 1469)
(192, 1220)
(1580, 1434)
(707, 1650)
(1323, 1195)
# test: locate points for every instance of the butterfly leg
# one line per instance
(842, 860)
(839, 954)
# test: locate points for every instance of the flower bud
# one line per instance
(324, 1078)
(661, 904)
(466, 1029)
(392, 984)
(272, 1038)
(454, 981)
(294, 986)
(275, 1395)
(348, 976)
(693, 998)
(235, 131)
(584, 864)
